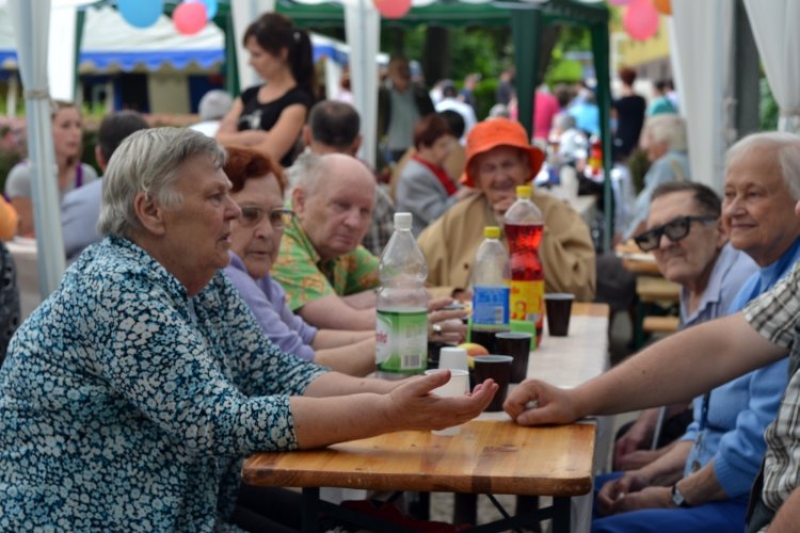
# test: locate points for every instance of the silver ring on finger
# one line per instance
(437, 329)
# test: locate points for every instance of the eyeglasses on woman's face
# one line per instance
(675, 230)
(279, 217)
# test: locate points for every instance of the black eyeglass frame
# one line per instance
(279, 217)
(676, 229)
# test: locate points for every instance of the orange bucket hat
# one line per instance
(495, 132)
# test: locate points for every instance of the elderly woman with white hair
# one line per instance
(664, 139)
(131, 396)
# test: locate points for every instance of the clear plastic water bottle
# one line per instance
(490, 289)
(524, 228)
(401, 332)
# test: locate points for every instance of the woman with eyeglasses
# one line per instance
(258, 188)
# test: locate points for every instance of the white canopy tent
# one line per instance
(774, 25)
(701, 40)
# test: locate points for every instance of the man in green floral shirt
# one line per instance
(327, 275)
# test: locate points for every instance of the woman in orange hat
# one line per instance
(499, 158)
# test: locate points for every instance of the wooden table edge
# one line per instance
(259, 470)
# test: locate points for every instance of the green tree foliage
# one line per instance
(487, 51)
(768, 108)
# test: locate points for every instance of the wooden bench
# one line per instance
(661, 324)
(652, 289)
(655, 294)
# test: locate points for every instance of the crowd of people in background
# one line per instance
(220, 298)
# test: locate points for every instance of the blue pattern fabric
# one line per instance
(126, 405)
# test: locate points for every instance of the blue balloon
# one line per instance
(211, 8)
(140, 13)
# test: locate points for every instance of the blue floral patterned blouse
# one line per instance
(125, 405)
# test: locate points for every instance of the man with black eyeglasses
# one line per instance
(686, 235)
(685, 232)
(762, 189)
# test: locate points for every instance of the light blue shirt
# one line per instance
(587, 116)
(740, 410)
(731, 270)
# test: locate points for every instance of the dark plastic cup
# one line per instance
(485, 338)
(558, 307)
(518, 346)
(498, 368)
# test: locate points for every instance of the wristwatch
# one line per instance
(677, 497)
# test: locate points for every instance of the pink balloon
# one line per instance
(640, 19)
(619, 2)
(190, 17)
(392, 9)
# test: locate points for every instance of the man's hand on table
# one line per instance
(535, 402)
(411, 406)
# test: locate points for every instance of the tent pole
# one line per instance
(600, 50)
(231, 65)
(526, 30)
(80, 23)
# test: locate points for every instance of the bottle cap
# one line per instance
(491, 232)
(524, 191)
(402, 221)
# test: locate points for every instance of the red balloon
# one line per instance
(640, 20)
(190, 17)
(663, 6)
(392, 9)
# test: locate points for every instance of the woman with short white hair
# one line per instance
(130, 397)
(664, 140)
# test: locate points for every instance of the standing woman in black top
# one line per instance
(269, 117)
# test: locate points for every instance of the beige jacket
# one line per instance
(450, 244)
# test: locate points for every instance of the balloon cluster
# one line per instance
(392, 9)
(190, 17)
(641, 16)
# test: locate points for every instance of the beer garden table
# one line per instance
(491, 455)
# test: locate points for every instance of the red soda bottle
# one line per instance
(524, 226)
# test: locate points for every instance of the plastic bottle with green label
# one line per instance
(401, 330)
